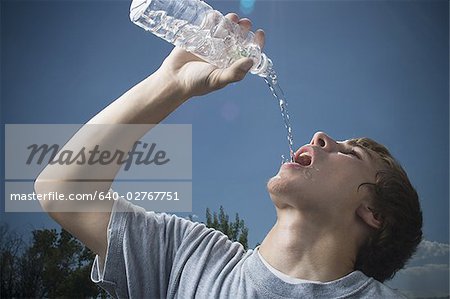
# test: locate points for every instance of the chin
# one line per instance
(279, 186)
(281, 191)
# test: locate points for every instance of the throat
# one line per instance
(308, 255)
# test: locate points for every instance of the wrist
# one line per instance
(168, 86)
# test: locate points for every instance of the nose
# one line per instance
(324, 141)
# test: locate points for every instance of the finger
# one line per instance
(235, 72)
(260, 38)
(245, 25)
(232, 17)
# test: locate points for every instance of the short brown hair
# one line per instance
(396, 203)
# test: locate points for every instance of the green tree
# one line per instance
(235, 230)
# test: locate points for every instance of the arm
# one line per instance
(180, 77)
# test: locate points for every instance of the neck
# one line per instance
(308, 248)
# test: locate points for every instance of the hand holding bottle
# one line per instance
(196, 77)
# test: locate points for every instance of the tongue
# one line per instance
(304, 160)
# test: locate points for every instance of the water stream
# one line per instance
(272, 82)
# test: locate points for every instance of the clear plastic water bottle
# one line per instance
(196, 27)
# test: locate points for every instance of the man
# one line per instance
(347, 215)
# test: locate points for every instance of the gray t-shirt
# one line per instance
(155, 255)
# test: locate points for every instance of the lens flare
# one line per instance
(247, 6)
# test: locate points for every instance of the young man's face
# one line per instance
(325, 178)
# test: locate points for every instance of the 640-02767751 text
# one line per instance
(109, 195)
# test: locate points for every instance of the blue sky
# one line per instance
(349, 68)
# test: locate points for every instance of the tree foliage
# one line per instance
(54, 264)
(235, 230)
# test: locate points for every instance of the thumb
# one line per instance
(236, 71)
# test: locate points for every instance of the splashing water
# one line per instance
(272, 82)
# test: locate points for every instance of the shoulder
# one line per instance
(378, 289)
(135, 219)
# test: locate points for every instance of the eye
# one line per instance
(353, 153)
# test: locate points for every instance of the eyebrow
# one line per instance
(367, 155)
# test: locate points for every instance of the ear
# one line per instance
(369, 216)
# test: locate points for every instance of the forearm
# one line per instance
(147, 103)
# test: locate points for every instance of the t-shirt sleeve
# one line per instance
(141, 249)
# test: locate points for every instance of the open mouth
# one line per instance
(304, 157)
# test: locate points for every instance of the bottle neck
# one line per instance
(264, 67)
